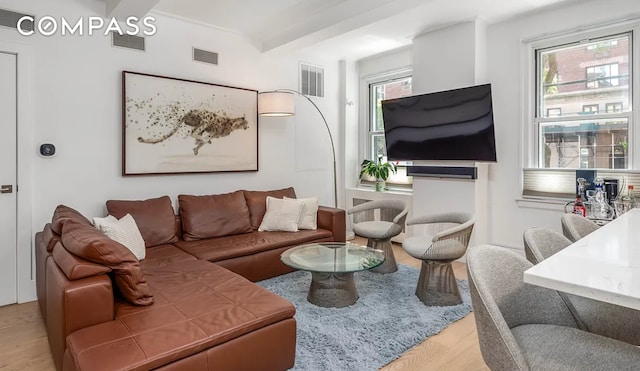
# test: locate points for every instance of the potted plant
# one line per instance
(378, 170)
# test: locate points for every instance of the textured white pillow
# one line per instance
(281, 215)
(124, 231)
(309, 216)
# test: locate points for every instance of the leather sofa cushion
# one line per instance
(155, 218)
(64, 213)
(90, 244)
(257, 202)
(164, 255)
(75, 268)
(227, 247)
(213, 215)
(199, 305)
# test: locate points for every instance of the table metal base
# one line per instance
(332, 290)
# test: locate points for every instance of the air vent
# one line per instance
(205, 56)
(10, 19)
(312, 80)
(128, 41)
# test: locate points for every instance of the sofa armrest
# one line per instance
(74, 304)
(333, 219)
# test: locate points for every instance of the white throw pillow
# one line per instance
(281, 215)
(124, 231)
(309, 216)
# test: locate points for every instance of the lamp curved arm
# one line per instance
(326, 125)
(333, 148)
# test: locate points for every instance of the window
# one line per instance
(570, 131)
(602, 76)
(590, 108)
(389, 85)
(380, 91)
(614, 107)
(604, 45)
(554, 112)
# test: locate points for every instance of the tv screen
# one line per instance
(448, 125)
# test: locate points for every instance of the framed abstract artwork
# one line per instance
(175, 126)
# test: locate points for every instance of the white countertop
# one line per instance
(604, 265)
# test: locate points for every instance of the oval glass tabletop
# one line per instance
(332, 257)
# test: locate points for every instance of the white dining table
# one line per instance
(604, 265)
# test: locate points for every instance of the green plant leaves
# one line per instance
(378, 169)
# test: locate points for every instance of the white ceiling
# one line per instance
(341, 28)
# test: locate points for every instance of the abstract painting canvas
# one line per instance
(173, 126)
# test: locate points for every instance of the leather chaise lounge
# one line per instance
(190, 304)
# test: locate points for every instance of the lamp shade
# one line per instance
(276, 103)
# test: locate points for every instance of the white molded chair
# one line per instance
(445, 240)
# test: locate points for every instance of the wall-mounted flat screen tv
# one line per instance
(447, 125)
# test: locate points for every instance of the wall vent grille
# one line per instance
(205, 56)
(10, 19)
(128, 41)
(311, 80)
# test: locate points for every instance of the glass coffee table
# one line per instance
(332, 265)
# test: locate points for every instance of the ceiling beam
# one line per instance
(129, 8)
(347, 16)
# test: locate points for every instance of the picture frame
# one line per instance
(178, 126)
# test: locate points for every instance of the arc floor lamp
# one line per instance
(281, 102)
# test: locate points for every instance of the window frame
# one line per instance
(364, 142)
(530, 139)
(531, 121)
(371, 111)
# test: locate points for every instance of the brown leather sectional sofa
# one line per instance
(190, 304)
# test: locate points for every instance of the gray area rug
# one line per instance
(387, 320)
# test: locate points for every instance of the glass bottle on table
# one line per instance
(602, 210)
(578, 206)
(625, 200)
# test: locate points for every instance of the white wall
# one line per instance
(444, 59)
(386, 62)
(508, 217)
(76, 104)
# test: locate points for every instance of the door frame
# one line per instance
(25, 258)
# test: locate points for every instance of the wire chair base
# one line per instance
(437, 284)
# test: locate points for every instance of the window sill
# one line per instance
(402, 192)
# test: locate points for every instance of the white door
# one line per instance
(8, 174)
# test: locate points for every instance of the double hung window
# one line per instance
(386, 87)
(580, 104)
(584, 104)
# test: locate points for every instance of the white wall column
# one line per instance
(444, 59)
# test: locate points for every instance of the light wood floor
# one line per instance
(24, 346)
(455, 348)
